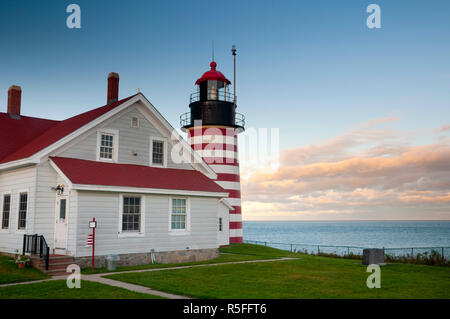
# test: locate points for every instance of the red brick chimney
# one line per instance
(113, 88)
(14, 97)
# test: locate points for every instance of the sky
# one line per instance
(363, 114)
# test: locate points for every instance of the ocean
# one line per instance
(376, 234)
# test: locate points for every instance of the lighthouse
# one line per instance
(212, 126)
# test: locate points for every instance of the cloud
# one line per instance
(368, 172)
(443, 128)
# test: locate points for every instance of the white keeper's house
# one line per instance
(116, 163)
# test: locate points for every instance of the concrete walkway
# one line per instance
(137, 288)
(132, 287)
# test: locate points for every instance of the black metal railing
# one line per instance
(214, 95)
(36, 245)
(185, 119)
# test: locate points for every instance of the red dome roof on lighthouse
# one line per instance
(213, 74)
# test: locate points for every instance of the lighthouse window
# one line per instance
(212, 90)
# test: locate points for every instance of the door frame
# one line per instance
(56, 217)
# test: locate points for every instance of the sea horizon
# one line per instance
(351, 220)
(360, 233)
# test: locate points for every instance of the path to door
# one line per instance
(100, 279)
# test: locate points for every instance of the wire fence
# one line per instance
(355, 250)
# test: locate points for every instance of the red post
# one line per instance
(93, 245)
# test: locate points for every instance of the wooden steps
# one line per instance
(57, 264)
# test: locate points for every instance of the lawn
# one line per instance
(307, 277)
(223, 258)
(9, 272)
(57, 289)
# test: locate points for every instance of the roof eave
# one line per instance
(127, 189)
(29, 161)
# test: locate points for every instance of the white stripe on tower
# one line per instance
(218, 147)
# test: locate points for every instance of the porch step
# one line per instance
(57, 272)
(57, 264)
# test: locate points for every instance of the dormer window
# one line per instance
(107, 145)
(158, 152)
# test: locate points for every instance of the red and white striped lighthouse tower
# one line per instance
(213, 125)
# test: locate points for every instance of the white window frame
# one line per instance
(6, 230)
(22, 230)
(137, 123)
(165, 155)
(187, 230)
(125, 234)
(115, 155)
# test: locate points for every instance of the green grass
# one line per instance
(223, 258)
(57, 289)
(258, 250)
(10, 273)
(307, 277)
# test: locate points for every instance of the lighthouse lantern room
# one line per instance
(212, 126)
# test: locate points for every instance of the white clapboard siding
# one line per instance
(15, 182)
(46, 201)
(72, 221)
(224, 235)
(104, 206)
(131, 141)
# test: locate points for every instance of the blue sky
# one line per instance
(363, 113)
(311, 68)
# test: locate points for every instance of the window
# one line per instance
(220, 224)
(131, 215)
(62, 209)
(179, 214)
(23, 203)
(158, 152)
(107, 145)
(134, 122)
(6, 211)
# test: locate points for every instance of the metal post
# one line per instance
(24, 243)
(41, 243)
(93, 245)
(34, 243)
(47, 258)
(233, 50)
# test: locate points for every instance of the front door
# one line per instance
(61, 224)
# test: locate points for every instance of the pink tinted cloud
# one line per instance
(386, 178)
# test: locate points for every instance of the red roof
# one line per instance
(213, 74)
(21, 138)
(128, 175)
(16, 133)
